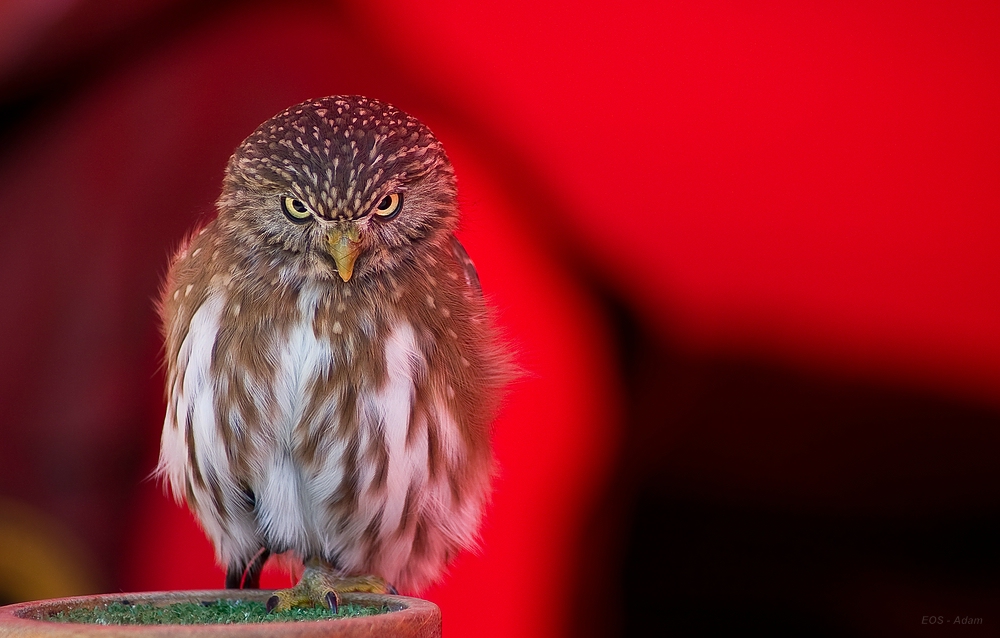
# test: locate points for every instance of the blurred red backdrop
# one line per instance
(812, 185)
(819, 179)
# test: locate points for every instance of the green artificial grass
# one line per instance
(204, 613)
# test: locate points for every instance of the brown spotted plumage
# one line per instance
(331, 368)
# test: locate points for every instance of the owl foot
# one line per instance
(321, 586)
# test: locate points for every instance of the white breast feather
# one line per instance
(187, 388)
(192, 391)
(286, 500)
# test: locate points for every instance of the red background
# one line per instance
(746, 251)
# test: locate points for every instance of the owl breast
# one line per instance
(313, 426)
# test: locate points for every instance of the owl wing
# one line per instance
(469, 268)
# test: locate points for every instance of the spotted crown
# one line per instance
(303, 149)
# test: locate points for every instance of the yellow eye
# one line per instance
(389, 206)
(295, 209)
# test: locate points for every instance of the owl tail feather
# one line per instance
(247, 575)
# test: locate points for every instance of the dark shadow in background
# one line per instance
(753, 498)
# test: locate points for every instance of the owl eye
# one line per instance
(389, 206)
(296, 210)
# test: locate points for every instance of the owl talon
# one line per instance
(332, 601)
(272, 603)
(321, 586)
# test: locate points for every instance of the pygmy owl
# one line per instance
(332, 367)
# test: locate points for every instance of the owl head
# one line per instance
(347, 185)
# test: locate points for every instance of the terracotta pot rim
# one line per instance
(422, 617)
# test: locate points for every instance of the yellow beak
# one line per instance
(344, 246)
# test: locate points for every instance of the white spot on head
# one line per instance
(337, 328)
(187, 290)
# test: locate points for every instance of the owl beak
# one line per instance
(344, 245)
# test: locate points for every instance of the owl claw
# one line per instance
(332, 601)
(272, 603)
(320, 586)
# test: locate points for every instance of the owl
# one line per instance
(331, 366)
